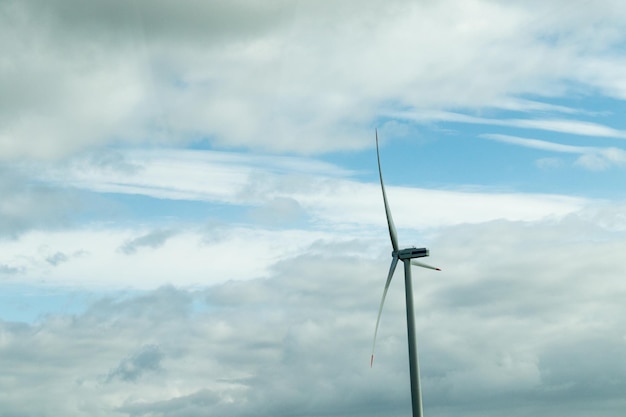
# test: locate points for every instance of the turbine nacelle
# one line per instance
(410, 253)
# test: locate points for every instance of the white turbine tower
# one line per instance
(407, 257)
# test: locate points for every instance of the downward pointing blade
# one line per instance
(392, 268)
(392, 228)
(423, 265)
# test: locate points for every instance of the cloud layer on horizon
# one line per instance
(525, 317)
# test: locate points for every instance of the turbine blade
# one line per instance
(392, 228)
(423, 265)
(392, 269)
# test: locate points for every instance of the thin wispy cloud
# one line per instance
(574, 127)
(593, 158)
(538, 144)
(316, 192)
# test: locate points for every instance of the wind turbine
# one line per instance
(407, 256)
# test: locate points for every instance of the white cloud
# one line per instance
(279, 212)
(575, 127)
(186, 174)
(569, 126)
(136, 258)
(436, 208)
(289, 77)
(301, 209)
(549, 163)
(538, 144)
(322, 192)
(301, 200)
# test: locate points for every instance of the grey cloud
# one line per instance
(309, 73)
(198, 403)
(57, 258)
(154, 239)
(8, 269)
(185, 20)
(524, 319)
(111, 160)
(30, 204)
(266, 337)
(148, 359)
(166, 304)
(35, 197)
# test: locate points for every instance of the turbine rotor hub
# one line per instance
(410, 253)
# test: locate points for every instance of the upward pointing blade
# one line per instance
(392, 228)
(392, 268)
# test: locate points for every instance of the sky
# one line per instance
(191, 222)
